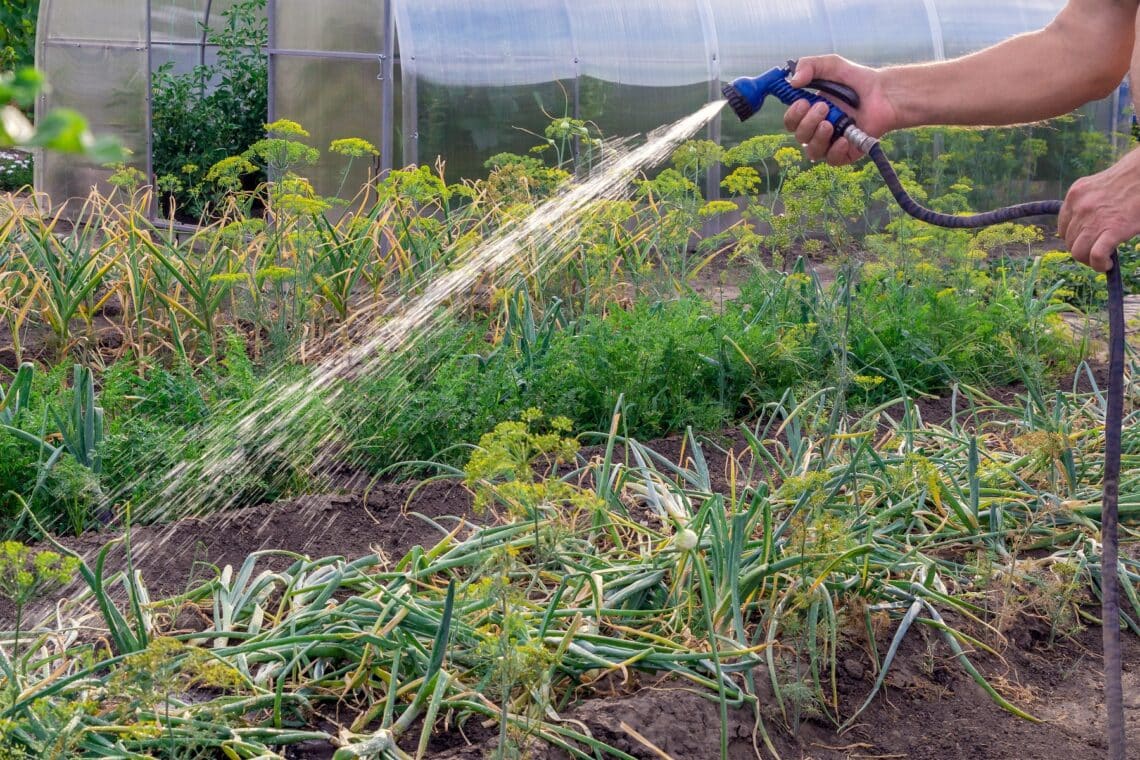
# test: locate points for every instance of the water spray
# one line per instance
(746, 95)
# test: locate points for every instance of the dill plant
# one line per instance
(27, 574)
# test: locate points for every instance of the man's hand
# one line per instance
(810, 126)
(1101, 212)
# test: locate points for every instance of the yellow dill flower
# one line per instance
(275, 274)
(716, 208)
(285, 128)
(353, 147)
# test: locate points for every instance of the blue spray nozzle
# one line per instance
(746, 95)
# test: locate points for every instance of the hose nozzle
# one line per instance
(747, 94)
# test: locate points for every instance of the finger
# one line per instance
(820, 142)
(805, 72)
(1081, 247)
(795, 114)
(807, 127)
(1074, 231)
(840, 152)
(1064, 218)
(1100, 255)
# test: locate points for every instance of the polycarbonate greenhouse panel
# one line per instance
(753, 37)
(106, 84)
(657, 43)
(468, 125)
(855, 30)
(309, 90)
(475, 43)
(346, 26)
(93, 55)
(328, 74)
(181, 21)
(94, 20)
(184, 57)
(621, 109)
(969, 25)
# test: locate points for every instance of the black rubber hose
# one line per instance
(1113, 416)
(985, 219)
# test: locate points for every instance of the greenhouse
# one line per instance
(467, 80)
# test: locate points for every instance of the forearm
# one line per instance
(1079, 57)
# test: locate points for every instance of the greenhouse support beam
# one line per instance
(271, 59)
(152, 203)
(387, 91)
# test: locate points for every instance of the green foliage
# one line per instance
(19, 465)
(677, 363)
(501, 468)
(156, 417)
(26, 573)
(56, 459)
(694, 158)
(1084, 288)
(18, 33)
(943, 313)
(214, 112)
(522, 179)
(824, 200)
(570, 139)
(15, 170)
(1002, 164)
(51, 441)
(281, 150)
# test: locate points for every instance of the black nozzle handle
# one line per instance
(836, 90)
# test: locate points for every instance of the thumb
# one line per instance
(829, 66)
(805, 72)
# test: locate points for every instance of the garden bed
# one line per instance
(929, 707)
(916, 572)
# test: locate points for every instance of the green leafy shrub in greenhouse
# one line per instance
(213, 112)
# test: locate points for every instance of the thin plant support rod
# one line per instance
(205, 33)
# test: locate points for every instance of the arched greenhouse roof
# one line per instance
(465, 79)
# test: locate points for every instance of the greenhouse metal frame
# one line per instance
(465, 79)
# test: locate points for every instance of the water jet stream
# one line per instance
(282, 417)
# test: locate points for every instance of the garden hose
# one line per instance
(745, 96)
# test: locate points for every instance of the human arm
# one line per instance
(1087, 47)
